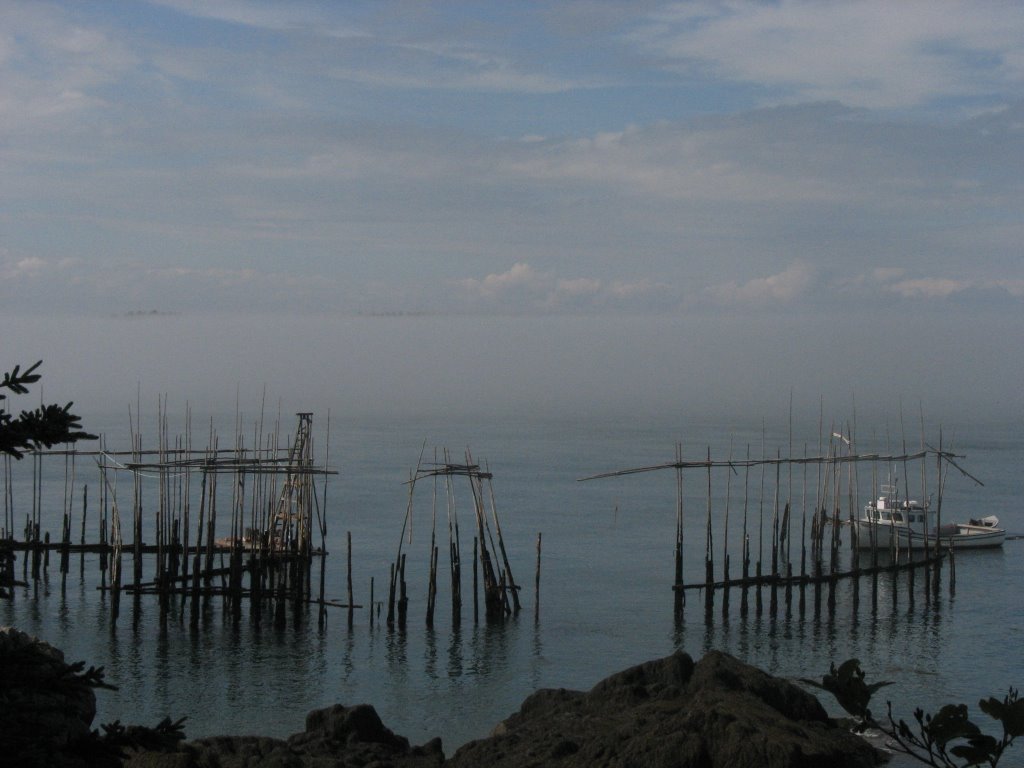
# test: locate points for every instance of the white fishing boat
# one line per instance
(889, 523)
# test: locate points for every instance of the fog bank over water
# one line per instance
(549, 366)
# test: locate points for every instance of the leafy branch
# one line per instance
(947, 739)
(853, 694)
(44, 427)
(935, 742)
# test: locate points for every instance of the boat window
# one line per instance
(898, 517)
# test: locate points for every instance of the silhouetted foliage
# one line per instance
(45, 427)
(848, 686)
(42, 697)
(947, 739)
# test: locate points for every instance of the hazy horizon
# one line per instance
(464, 367)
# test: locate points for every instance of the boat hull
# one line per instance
(880, 535)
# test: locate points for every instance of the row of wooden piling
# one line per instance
(499, 589)
(836, 487)
(274, 511)
(273, 506)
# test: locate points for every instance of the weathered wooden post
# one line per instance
(351, 607)
(536, 584)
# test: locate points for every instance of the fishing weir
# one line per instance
(500, 592)
(264, 494)
(790, 539)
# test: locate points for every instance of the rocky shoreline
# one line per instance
(670, 712)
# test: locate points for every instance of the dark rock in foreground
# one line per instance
(46, 705)
(335, 737)
(673, 713)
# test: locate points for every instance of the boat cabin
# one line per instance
(889, 509)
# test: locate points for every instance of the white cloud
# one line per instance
(671, 164)
(261, 15)
(518, 276)
(465, 77)
(30, 266)
(928, 287)
(874, 53)
(50, 69)
(459, 66)
(395, 61)
(783, 287)
(521, 288)
(941, 287)
(258, 158)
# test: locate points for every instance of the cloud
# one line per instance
(259, 158)
(261, 15)
(521, 288)
(778, 156)
(519, 276)
(28, 267)
(928, 287)
(942, 288)
(782, 287)
(937, 288)
(453, 66)
(873, 53)
(53, 68)
(434, 57)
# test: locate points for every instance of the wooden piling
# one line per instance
(85, 515)
(509, 582)
(709, 561)
(348, 584)
(432, 575)
(403, 600)
(536, 583)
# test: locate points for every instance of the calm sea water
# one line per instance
(605, 597)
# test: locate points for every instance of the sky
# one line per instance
(565, 205)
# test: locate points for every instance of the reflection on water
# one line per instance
(459, 681)
(455, 654)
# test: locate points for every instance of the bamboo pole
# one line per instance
(725, 534)
(432, 576)
(510, 584)
(194, 616)
(709, 557)
(803, 533)
(348, 584)
(679, 594)
(536, 583)
(776, 543)
(403, 600)
(103, 516)
(454, 553)
(85, 515)
(746, 536)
